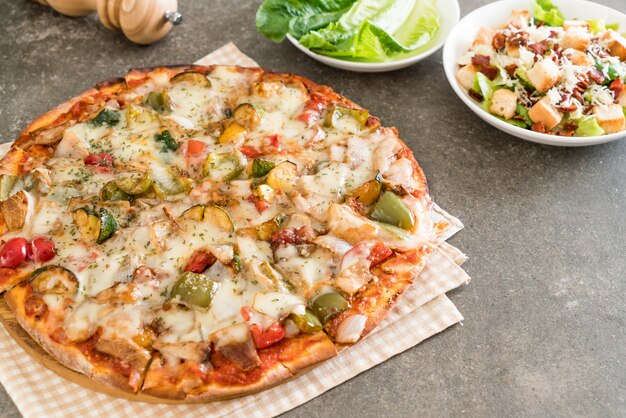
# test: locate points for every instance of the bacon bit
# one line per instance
(480, 60)
(518, 38)
(617, 86)
(490, 72)
(568, 129)
(259, 203)
(539, 48)
(553, 34)
(475, 95)
(596, 75)
(295, 236)
(271, 144)
(499, 41)
(538, 127)
(510, 69)
(250, 152)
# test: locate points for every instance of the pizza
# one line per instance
(199, 232)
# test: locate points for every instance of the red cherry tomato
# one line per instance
(13, 253)
(100, 160)
(272, 335)
(41, 249)
(200, 262)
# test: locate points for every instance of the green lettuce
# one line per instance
(597, 26)
(588, 127)
(545, 11)
(361, 30)
(276, 18)
(485, 88)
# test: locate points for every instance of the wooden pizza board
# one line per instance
(45, 359)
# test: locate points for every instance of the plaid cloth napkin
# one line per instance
(422, 312)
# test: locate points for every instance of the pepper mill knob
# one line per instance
(142, 21)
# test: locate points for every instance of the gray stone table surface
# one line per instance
(544, 330)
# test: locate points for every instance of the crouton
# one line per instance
(616, 44)
(610, 117)
(503, 103)
(544, 75)
(519, 19)
(577, 38)
(569, 24)
(484, 37)
(577, 57)
(621, 99)
(512, 50)
(544, 112)
(618, 48)
(465, 76)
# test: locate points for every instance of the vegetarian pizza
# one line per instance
(199, 232)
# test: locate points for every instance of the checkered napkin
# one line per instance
(422, 312)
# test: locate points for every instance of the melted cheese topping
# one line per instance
(154, 240)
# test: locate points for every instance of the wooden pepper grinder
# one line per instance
(142, 21)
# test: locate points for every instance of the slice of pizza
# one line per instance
(197, 233)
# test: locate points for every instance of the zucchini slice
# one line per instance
(110, 191)
(247, 115)
(93, 226)
(54, 279)
(134, 185)
(266, 230)
(194, 213)
(260, 168)
(219, 217)
(191, 77)
(283, 176)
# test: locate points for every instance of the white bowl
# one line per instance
(496, 14)
(450, 13)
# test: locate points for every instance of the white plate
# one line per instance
(496, 14)
(450, 13)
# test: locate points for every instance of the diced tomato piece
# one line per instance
(271, 144)
(100, 160)
(200, 261)
(245, 312)
(250, 152)
(312, 109)
(41, 249)
(309, 118)
(617, 86)
(272, 335)
(379, 253)
(13, 253)
(195, 147)
(259, 203)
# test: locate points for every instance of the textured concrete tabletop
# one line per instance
(544, 331)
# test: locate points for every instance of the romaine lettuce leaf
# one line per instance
(588, 127)
(371, 30)
(276, 18)
(545, 11)
(485, 87)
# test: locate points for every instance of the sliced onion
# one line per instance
(291, 330)
(350, 330)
